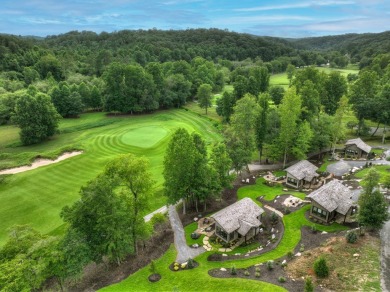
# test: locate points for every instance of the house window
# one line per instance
(222, 233)
(319, 212)
(292, 180)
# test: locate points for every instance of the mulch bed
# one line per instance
(154, 278)
(195, 265)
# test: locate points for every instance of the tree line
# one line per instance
(305, 118)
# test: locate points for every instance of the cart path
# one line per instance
(184, 252)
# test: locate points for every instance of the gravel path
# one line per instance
(184, 252)
(385, 257)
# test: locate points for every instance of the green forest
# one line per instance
(137, 102)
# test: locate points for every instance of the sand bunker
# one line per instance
(40, 162)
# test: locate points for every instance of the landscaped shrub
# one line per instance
(282, 279)
(233, 271)
(257, 274)
(302, 248)
(309, 285)
(287, 211)
(351, 237)
(274, 218)
(290, 254)
(152, 267)
(176, 266)
(190, 263)
(246, 273)
(321, 268)
(313, 229)
(270, 265)
(257, 269)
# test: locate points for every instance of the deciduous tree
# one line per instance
(36, 117)
(373, 209)
(135, 184)
(178, 167)
(204, 96)
(290, 111)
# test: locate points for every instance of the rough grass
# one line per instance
(37, 196)
(211, 112)
(347, 273)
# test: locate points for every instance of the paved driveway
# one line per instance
(184, 252)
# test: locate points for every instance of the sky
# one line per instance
(280, 18)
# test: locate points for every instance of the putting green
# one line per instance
(144, 137)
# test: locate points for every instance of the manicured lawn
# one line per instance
(343, 72)
(383, 170)
(36, 197)
(279, 79)
(190, 229)
(325, 164)
(261, 189)
(188, 280)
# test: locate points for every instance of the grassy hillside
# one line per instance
(37, 196)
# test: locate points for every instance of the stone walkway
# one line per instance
(280, 214)
(184, 252)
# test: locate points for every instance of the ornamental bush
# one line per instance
(351, 237)
(309, 285)
(321, 268)
(270, 265)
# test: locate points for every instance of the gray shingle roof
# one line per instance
(240, 216)
(333, 196)
(360, 144)
(303, 170)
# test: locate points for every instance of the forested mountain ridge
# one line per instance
(144, 46)
(207, 43)
(356, 45)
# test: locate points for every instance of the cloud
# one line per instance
(260, 19)
(295, 5)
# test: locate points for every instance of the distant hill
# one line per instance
(81, 51)
(185, 44)
(356, 45)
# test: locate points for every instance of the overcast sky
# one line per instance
(282, 18)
